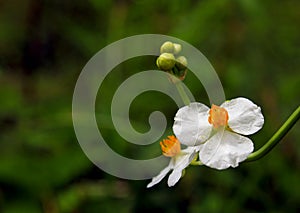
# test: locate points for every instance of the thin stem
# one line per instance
(275, 139)
(196, 163)
(182, 93)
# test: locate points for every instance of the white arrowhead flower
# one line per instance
(180, 159)
(219, 129)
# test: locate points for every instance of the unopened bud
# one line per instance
(177, 48)
(167, 47)
(166, 61)
(181, 63)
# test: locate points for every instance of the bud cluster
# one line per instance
(170, 62)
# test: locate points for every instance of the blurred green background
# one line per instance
(253, 45)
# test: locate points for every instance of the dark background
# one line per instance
(253, 45)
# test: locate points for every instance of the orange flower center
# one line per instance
(170, 147)
(218, 116)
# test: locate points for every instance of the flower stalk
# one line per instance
(182, 93)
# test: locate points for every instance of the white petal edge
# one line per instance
(181, 162)
(245, 117)
(160, 176)
(191, 125)
(225, 149)
(174, 177)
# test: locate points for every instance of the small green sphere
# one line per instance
(177, 48)
(166, 61)
(181, 63)
(167, 47)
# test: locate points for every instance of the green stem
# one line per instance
(275, 139)
(182, 93)
(196, 163)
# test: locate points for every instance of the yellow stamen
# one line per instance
(170, 147)
(218, 116)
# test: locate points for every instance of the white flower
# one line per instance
(218, 130)
(180, 159)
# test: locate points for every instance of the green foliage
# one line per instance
(254, 47)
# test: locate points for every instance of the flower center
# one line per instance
(218, 116)
(170, 147)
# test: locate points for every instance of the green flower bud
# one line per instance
(167, 47)
(166, 61)
(181, 63)
(177, 48)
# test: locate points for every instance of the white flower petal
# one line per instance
(160, 176)
(184, 158)
(191, 125)
(177, 163)
(225, 149)
(191, 149)
(174, 177)
(245, 117)
(181, 162)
